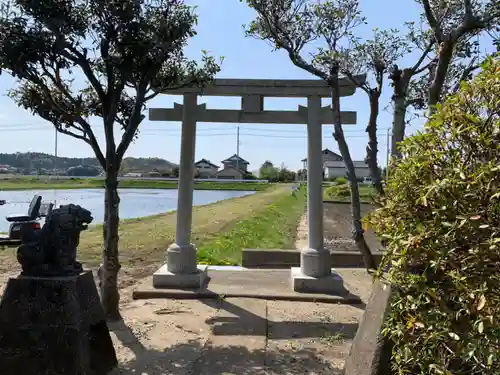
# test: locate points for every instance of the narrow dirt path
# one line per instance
(301, 241)
(337, 228)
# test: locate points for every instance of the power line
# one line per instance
(262, 135)
(262, 128)
(146, 133)
(141, 129)
(303, 131)
(294, 136)
(204, 132)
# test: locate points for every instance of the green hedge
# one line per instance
(441, 221)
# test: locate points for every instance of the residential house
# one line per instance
(206, 169)
(327, 156)
(333, 166)
(236, 162)
(133, 174)
(334, 169)
(234, 167)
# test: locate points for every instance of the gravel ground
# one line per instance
(337, 228)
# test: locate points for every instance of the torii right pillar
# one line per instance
(315, 274)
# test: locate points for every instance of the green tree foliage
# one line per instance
(175, 172)
(447, 49)
(83, 171)
(126, 51)
(286, 175)
(23, 161)
(441, 221)
(269, 172)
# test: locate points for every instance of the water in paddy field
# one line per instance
(133, 202)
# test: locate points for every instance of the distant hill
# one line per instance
(145, 165)
(28, 162)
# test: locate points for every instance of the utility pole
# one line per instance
(238, 148)
(55, 152)
(388, 156)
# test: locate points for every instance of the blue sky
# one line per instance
(220, 31)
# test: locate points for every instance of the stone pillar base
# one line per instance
(315, 263)
(329, 284)
(181, 258)
(163, 278)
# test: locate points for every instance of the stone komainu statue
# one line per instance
(51, 251)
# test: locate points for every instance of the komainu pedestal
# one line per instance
(54, 326)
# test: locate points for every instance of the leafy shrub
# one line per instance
(336, 191)
(341, 180)
(330, 191)
(441, 220)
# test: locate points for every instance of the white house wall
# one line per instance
(340, 164)
(361, 172)
(205, 170)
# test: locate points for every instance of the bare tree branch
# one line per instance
(468, 9)
(467, 72)
(79, 59)
(416, 68)
(132, 125)
(433, 23)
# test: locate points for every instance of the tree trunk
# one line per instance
(372, 148)
(357, 227)
(110, 296)
(398, 125)
(401, 80)
(444, 60)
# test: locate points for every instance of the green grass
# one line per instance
(273, 228)
(143, 241)
(34, 183)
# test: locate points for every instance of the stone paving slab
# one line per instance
(238, 338)
(160, 338)
(287, 258)
(260, 283)
(315, 338)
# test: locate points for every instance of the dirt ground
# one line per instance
(233, 336)
(239, 336)
(337, 228)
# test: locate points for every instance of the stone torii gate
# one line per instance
(315, 273)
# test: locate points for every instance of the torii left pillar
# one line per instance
(181, 269)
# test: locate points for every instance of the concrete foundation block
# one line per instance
(371, 351)
(329, 284)
(163, 278)
(54, 325)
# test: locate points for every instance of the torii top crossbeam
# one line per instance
(252, 93)
(291, 88)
